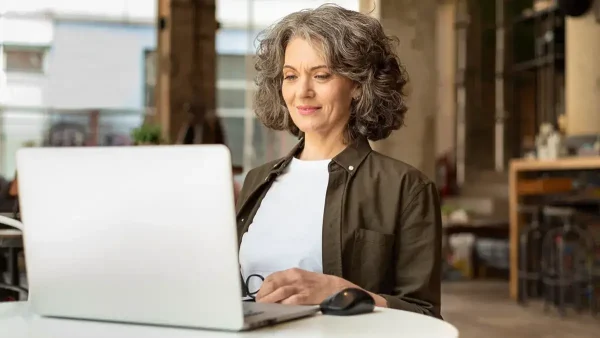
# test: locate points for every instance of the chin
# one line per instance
(308, 129)
(311, 124)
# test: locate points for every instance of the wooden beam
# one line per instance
(162, 63)
(186, 56)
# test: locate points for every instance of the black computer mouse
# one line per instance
(348, 302)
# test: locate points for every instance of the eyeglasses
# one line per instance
(252, 294)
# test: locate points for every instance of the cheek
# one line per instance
(287, 93)
(339, 100)
(336, 93)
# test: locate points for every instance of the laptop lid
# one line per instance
(134, 234)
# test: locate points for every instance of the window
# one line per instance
(149, 78)
(19, 128)
(231, 98)
(231, 67)
(24, 59)
(233, 83)
(235, 131)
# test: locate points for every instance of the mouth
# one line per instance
(307, 110)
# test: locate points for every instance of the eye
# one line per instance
(323, 76)
(289, 77)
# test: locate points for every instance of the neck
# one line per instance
(317, 147)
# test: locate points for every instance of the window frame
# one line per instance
(41, 49)
(149, 103)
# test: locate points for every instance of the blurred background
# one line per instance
(504, 115)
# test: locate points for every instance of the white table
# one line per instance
(16, 321)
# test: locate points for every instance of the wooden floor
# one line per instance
(483, 310)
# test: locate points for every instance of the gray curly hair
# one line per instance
(355, 46)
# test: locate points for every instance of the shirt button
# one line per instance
(350, 168)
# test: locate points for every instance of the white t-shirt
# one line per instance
(287, 230)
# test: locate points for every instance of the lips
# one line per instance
(307, 110)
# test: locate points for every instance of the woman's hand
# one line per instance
(301, 287)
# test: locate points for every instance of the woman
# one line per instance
(334, 213)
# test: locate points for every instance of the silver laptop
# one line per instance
(136, 234)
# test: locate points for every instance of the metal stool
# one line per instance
(11, 245)
(530, 251)
(11, 290)
(566, 264)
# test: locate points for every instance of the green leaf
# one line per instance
(147, 134)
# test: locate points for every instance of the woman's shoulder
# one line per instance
(390, 166)
(395, 173)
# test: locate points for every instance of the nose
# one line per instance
(305, 87)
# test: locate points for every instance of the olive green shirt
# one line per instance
(381, 224)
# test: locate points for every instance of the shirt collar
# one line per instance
(350, 158)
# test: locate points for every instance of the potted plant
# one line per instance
(147, 134)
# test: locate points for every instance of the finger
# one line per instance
(267, 287)
(273, 282)
(278, 295)
(297, 299)
(288, 276)
(295, 274)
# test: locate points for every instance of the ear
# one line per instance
(356, 91)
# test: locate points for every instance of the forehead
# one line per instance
(301, 52)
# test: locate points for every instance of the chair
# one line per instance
(566, 262)
(11, 243)
(530, 252)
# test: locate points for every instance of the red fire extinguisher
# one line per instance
(446, 176)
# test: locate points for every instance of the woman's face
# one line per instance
(318, 100)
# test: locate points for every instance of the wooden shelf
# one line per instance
(565, 163)
(536, 63)
(544, 186)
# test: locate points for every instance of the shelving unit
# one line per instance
(537, 69)
(509, 79)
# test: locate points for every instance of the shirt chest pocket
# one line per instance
(372, 258)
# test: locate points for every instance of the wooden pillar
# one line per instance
(186, 62)
(94, 127)
(582, 87)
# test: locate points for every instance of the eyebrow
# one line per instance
(311, 68)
